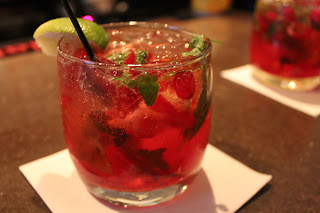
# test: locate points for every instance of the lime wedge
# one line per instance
(48, 34)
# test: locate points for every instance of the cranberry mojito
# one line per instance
(285, 42)
(137, 119)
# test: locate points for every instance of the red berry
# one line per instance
(131, 58)
(184, 85)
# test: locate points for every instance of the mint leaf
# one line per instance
(193, 52)
(148, 87)
(203, 106)
(198, 44)
(141, 57)
(118, 58)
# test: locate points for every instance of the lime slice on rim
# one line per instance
(48, 34)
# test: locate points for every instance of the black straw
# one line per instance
(78, 29)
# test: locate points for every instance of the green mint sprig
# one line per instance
(198, 44)
(147, 85)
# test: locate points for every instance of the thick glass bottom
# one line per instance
(299, 84)
(138, 199)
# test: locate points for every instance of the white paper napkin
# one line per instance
(223, 185)
(307, 102)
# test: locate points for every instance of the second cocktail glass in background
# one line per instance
(285, 43)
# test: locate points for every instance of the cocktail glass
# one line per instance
(285, 43)
(136, 132)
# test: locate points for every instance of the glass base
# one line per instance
(301, 84)
(138, 199)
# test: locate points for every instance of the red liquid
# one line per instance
(286, 39)
(119, 143)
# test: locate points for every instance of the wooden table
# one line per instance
(263, 134)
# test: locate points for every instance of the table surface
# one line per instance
(263, 134)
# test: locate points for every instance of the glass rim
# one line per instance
(162, 65)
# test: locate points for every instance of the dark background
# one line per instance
(19, 18)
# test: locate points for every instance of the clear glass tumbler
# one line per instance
(285, 43)
(137, 132)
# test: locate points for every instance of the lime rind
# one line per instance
(49, 33)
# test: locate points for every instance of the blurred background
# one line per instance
(19, 18)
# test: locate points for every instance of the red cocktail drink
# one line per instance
(285, 43)
(136, 121)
